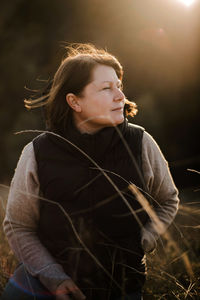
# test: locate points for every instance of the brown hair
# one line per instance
(73, 74)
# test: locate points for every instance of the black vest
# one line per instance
(86, 204)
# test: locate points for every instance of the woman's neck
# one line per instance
(85, 126)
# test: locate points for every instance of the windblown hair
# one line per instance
(73, 74)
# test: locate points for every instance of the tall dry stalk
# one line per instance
(161, 268)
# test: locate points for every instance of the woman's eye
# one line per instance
(106, 88)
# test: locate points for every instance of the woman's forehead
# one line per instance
(103, 73)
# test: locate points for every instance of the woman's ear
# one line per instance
(73, 102)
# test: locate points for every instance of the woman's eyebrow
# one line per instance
(110, 81)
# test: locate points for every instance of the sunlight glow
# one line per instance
(187, 2)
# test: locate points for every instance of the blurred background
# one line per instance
(158, 44)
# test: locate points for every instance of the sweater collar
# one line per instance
(98, 144)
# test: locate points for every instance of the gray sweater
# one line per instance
(23, 213)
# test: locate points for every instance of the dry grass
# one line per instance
(173, 269)
(7, 260)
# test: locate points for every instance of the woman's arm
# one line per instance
(162, 189)
(20, 224)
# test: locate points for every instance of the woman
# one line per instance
(72, 220)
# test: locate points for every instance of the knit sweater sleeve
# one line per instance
(21, 222)
(161, 188)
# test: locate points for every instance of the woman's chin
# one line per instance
(118, 121)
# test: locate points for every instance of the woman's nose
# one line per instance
(119, 95)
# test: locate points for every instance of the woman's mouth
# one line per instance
(118, 108)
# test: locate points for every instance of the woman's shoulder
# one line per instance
(27, 158)
(26, 165)
(150, 143)
(151, 151)
(27, 151)
(133, 126)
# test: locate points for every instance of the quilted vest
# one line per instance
(85, 180)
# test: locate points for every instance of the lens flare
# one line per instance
(187, 2)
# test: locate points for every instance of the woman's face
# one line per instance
(102, 103)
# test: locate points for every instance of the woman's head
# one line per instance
(101, 103)
(75, 72)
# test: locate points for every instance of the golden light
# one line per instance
(187, 2)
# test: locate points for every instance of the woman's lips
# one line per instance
(118, 108)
